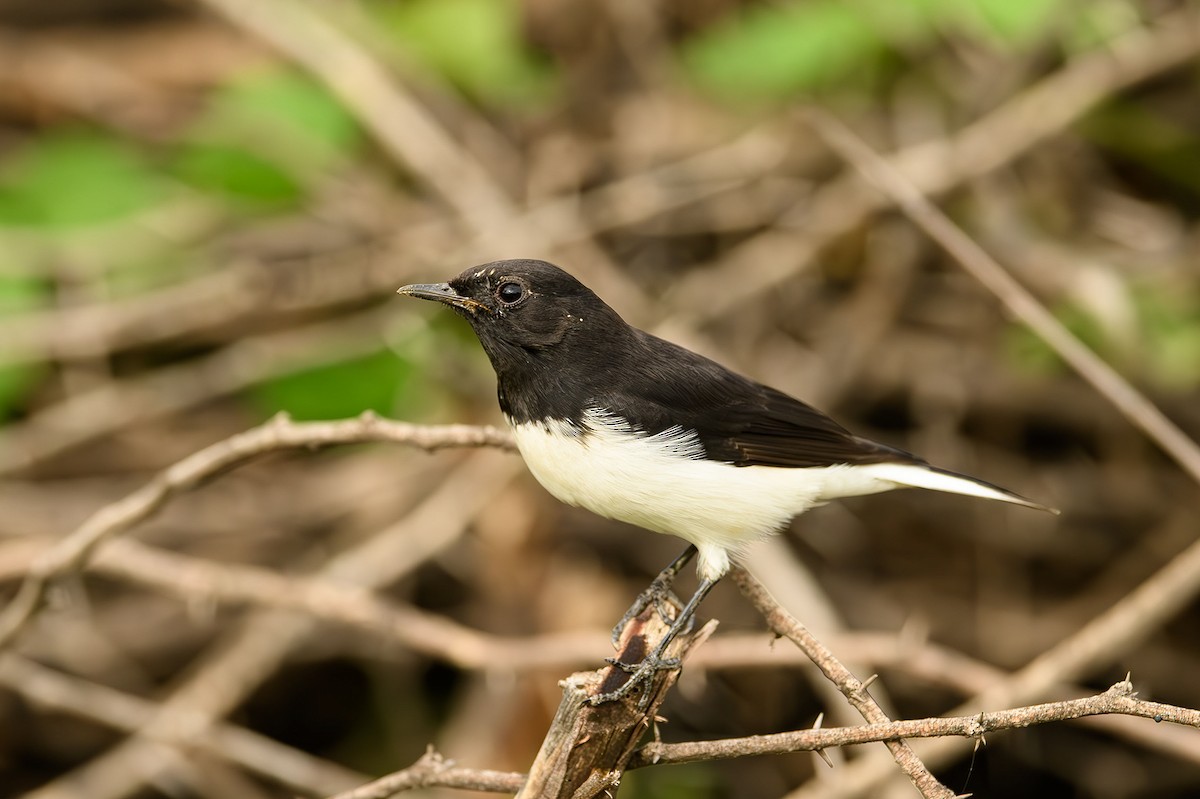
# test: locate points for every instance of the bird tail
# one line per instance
(915, 475)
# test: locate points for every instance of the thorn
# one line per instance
(963, 796)
(867, 683)
(824, 757)
(820, 718)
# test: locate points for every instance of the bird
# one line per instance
(641, 430)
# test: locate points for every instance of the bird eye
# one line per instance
(510, 293)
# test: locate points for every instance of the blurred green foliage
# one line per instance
(19, 293)
(778, 52)
(476, 45)
(380, 382)
(264, 137)
(72, 179)
(266, 140)
(1163, 350)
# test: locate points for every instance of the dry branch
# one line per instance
(855, 691)
(1119, 699)
(248, 655)
(586, 750)
(278, 434)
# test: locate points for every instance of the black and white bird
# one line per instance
(635, 428)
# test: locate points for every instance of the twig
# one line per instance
(783, 623)
(1119, 699)
(432, 770)
(278, 434)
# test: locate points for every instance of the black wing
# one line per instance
(738, 420)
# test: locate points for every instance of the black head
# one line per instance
(526, 313)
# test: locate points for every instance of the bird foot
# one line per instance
(659, 594)
(640, 674)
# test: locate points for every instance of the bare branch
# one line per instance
(1119, 699)
(783, 623)
(278, 434)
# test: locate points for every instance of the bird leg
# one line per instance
(654, 661)
(659, 592)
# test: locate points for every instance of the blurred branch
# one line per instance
(855, 691)
(1158, 598)
(115, 405)
(1119, 699)
(217, 301)
(933, 167)
(237, 664)
(299, 770)
(421, 631)
(1016, 298)
(278, 434)
(401, 126)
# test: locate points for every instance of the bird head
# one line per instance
(518, 308)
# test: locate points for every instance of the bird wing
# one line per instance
(737, 420)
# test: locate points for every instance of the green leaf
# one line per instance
(1011, 23)
(77, 179)
(1170, 328)
(19, 294)
(776, 51)
(238, 174)
(264, 137)
(1029, 352)
(375, 382)
(475, 44)
(283, 116)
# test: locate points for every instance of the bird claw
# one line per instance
(640, 674)
(659, 594)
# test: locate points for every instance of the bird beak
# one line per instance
(443, 293)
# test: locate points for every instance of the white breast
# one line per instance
(663, 483)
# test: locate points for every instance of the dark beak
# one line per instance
(441, 292)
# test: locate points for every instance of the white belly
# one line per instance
(663, 483)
